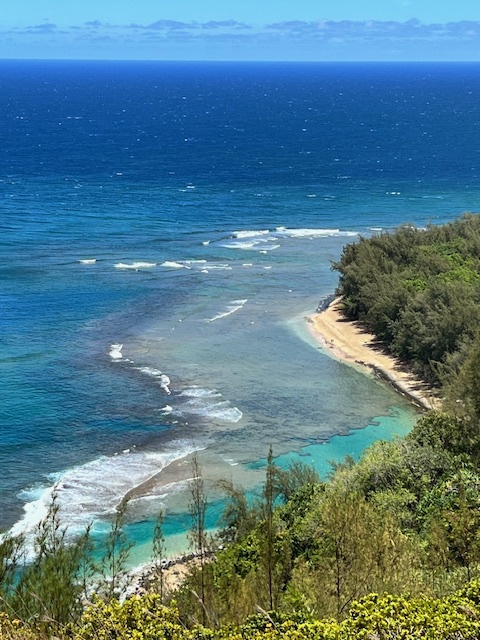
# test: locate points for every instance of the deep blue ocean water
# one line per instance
(165, 230)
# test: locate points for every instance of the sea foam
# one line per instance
(116, 351)
(162, 378)
(208, 403)
(265, 240)
(235, 305)
(93, 491)
(197, 265)
(249, 243)
(136, 266)
(312, 233)
(250, 234)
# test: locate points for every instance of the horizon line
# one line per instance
(240, 61)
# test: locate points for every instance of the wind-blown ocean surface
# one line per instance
(165, 230)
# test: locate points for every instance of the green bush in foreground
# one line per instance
(381, 617)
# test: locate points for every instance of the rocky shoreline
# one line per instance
(174, 572)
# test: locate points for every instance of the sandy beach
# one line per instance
(175, 572)
(349, 342)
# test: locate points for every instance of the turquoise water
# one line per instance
(320, 456)
(165, 230)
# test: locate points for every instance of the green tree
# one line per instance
(48, 591)
(12, 552)
(113, 564)
(198, 532)
(157, 577)
(269, 497)
(298, 475)
(238, 517)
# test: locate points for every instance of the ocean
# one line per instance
(166, 229)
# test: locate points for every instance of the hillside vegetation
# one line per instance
(418, 291)
(385, 548)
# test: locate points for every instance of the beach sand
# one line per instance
(349, 342)
(175, 572)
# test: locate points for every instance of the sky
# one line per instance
(296, 30)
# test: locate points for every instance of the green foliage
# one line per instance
(451, 517)
(402, 522)
(48, 590)
(359, 549)
(11, 555)
(417, 290)
(408, 618)
(156, 579)
(463, 390)
(238, 517)
(297, 476)
(198, 532)
(400, 617)
(269, 496)
(138, 618)
(456, 436)
(114, 559)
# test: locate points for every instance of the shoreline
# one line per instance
(349, 342)
(175, 571)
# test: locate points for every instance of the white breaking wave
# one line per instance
(172, 265)
(250, 234)
(135, 265)
(200, 392)
(219, 266)
(249, 243)
(162, 378)
(264, 240)
(116, 351)
(312, 233)
(93, 490)
(235, 305)
(206, 403)
(88, 261)
(198, 265)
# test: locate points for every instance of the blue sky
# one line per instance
(241, 29)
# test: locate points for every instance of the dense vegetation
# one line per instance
(388, 547)
(305, 560)
(418, 291)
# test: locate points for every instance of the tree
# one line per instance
(359, 549)
(198, 535)
(12, 551)
(48, 591)
(156, 581)
(451, 513)
(268, 494)
(238, 518)
(114, 560)
(287, 482)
